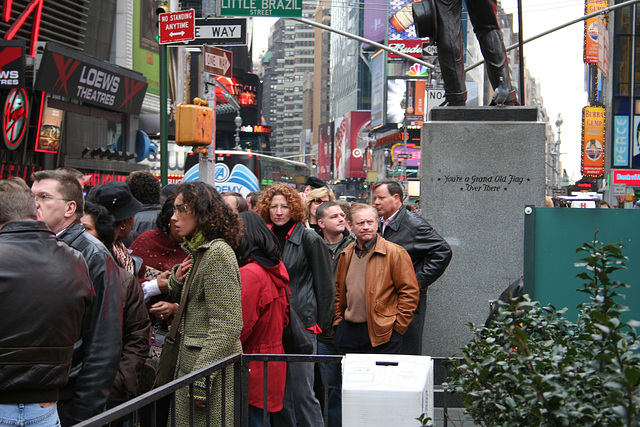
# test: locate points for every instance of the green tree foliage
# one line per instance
(531, 366)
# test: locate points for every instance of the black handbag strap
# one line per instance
(173, 331)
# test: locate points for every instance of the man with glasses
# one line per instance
(96, 355)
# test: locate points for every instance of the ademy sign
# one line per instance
(274, 8)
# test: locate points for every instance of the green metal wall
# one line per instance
(552, 236)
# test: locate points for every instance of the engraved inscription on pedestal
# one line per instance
(483, 183)
(477, 178)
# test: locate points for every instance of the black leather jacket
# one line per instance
(45, 291)
(307, 260)
(135, 340)
(97, 354)
(429, 252)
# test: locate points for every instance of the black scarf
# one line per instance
(281, 232)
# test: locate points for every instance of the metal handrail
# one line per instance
(156, 394)
(240, 363)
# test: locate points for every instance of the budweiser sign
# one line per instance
(415, 48)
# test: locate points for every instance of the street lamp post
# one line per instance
(238, 122)
(556, 154)
(406, 154)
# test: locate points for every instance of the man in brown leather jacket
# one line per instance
(429, 252)
(383, 292)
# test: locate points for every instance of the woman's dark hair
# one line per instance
(145, 187)
(103, 221)
(257, 236)
(164, 217)
(213, 216)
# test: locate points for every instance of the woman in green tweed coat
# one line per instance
(212, 322)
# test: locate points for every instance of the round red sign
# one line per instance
(14, 118)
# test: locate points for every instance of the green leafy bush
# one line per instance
(531, 366)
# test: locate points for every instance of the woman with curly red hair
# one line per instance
(211, 326)
(306, 258)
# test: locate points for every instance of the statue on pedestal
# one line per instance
(441, 21)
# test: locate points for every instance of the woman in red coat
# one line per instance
(265, 286)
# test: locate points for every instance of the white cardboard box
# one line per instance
(386, 390)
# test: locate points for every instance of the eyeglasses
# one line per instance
(44, 197)
(183, 208)
(318, 201)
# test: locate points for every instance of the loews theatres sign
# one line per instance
(12, 63)
(76, 76)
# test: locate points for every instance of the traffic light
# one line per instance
(313, 163)
(162, 8)
(194, 125)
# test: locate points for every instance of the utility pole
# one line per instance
(164, 128)
(406, 156)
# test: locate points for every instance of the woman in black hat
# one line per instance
(117, 198)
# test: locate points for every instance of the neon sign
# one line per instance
(34, 6)
(246, 94)
(14, 118)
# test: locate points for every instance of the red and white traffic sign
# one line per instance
(177, 26)
(218, 61)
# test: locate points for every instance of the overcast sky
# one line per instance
(556, 62)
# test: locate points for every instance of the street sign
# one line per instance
(619, 189)
(219, 32)
(429, 50)
(217, 61)
(177, 26)
(434, 98)
(273, 8)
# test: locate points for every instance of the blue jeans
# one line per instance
(255, 417)
(29, 415)
(334, 383)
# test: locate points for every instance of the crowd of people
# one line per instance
(95, 284)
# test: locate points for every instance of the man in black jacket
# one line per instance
(45, 290)
(429, 252)
(97, 354)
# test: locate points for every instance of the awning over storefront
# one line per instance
(77, 76)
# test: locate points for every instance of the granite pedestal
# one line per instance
(478, 174)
